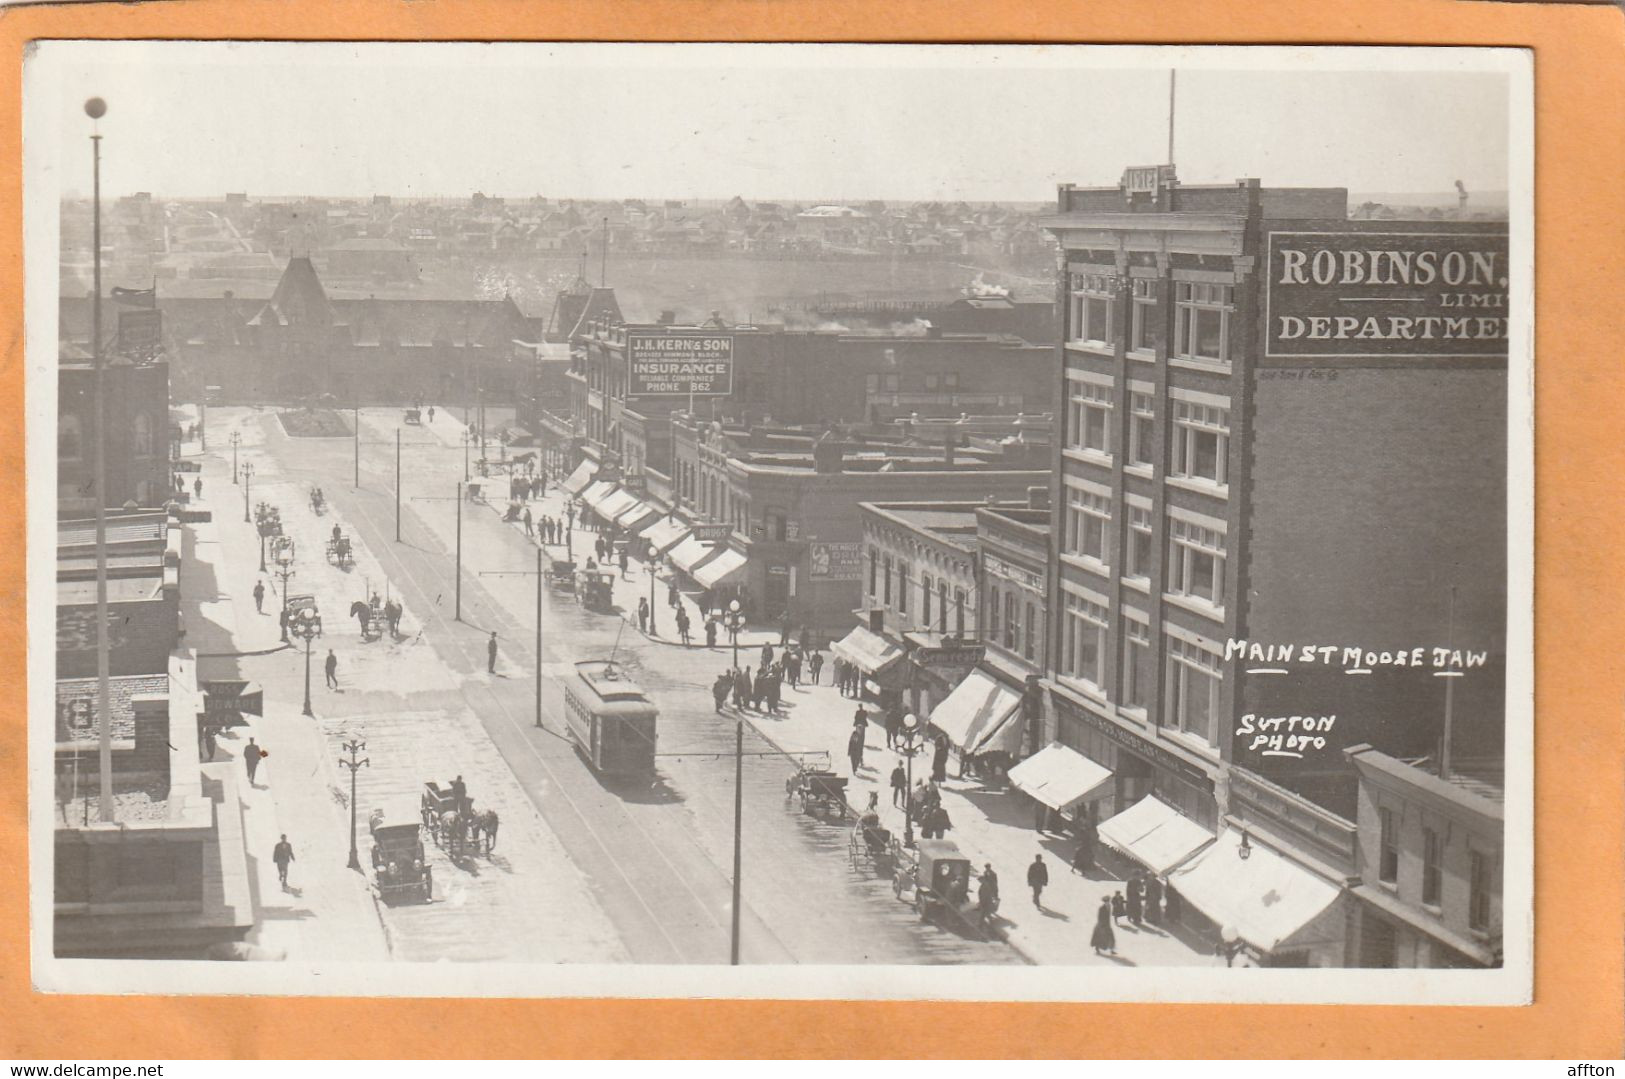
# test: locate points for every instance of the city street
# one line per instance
(583, 870)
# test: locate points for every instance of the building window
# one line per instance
(886, 596)
(1196, 562)
(993, 613)
(902, 587)
(1142, 429)
(1193, 688)
(942, 606)
(871, 383)
(959, 612)
(1430, 867)
(1083, 640)
(1202, 321)
(1146, 332)
(925, 600)
(1092, 296)
(1089, 423)
(1388, 850)
(1012, 628)
(891, 383)
(1201, 442)
(1140, 543)
(874, 563)
(70, 443)
(1029, 640)
(950, 380)
(1480, 870)
(1137, 672)
(930, 383)
(1087, 517)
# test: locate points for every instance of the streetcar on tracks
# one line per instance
(610, 719)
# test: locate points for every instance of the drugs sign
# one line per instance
(1354, 295)
(678, 364)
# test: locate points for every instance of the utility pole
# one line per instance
(1172, 75)
(397, 485)
(352, 747)
(96, 108)
(357, 481)
(739, 819)
(458, 615)
(541, 581)
(1449, 686)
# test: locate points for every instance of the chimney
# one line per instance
(1038, 498)
(827, 455)
(668, 317)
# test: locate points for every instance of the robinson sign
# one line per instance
(1357, 295)
(678, 363)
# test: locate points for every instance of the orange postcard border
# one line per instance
(1579, 1008)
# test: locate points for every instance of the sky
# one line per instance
(785, 122)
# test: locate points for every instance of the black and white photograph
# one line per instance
(802, 521)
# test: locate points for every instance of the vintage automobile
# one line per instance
(414, 417)
(936, 876)
(562, 575)
(595, 589)
(398, 865)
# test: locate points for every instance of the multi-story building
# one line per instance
(1279, 500)
(137, 432)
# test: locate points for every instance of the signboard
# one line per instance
(712, 533)
(678, 363)
(1359, 295)
(1008, 571)
(140, 332)
(835, 561)
(231, 697)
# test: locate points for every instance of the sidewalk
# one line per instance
(990, 826)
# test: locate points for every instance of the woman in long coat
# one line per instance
(1103, 939)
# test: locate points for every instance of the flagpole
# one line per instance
(1172, 75)
(96, 108)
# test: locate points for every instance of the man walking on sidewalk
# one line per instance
(251, 759)
(282, 855)
(259, 596)
(491, 654)
(815, 663)
(197, 487)
(1037, 877)
(899, 786)
(332, 666)
(530, 529)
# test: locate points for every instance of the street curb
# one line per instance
(257, 652)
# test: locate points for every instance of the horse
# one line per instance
(363, 616)
(392, 615)
(453, 831)
(484, 824)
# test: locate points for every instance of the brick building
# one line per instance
(1276, 429)
(137, 433)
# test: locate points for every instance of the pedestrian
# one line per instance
(529, 529)
(854, 750)
(251, 759)
(332, 667)
(259, 596)
(1083, 859)
(673, 596)
(209, 745)
(1136, 896)
(431, 413)
(643, 615)
(775, 683)
(1037, 877)
(899, 785)
(1119, 908)
(742, 685)
(987, 892)
(682, 625)
(938, 820)
(860, 719)
(784, 629)
(815, 664)
(767, 655)
(794, 668)
(625, 558)
(197, 487)
(284, 620)
(491, 654)
(710, 633)
(1153, 900)
(939, 759)
(459, 792)
(758, 690)
(282, 855)
(1103, 939)
(720, 689)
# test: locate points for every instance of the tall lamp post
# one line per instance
(306, 624)
(96, 108)
(650, 562)
(468, 440)
(248, 485)
(284, 570)
(236, 440)
(911, 746)
(352, 747)
(735, 621)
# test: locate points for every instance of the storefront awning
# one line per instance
(577, 481)
(717, 572)
(595, 495)
(639, 515)
(1264, 897)
(616, 503)
(666, 533)
(690, 553)
(868, 651)
(1153, 833)
(1059, 776)
(977, 708)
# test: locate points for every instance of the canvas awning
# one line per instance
(690, 553)
(595, 495)
(1154, 834)
(1059, 776)
(977, 710)
(1264, 897)
(868, 651)
(666, 533)
(615, 503)
(577, 481)
(636, 516)
(717, 571)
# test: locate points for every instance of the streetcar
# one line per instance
(610, 719)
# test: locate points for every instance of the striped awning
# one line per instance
(577, 481)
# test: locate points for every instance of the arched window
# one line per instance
(69, 439)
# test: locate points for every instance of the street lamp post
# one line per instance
(468, 440)
(911, 731)
(650, 562)
(248, 485)
(284, 558)
(96, 108)
(306, 624)
(570, 531)
(736, 622)
(236, 440)
(352, 747)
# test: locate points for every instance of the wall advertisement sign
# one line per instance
(835, 561)
(678, 363)
(1363, 295)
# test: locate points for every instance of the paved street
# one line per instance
(583, 870)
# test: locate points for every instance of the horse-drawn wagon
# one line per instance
(822, 792)
(448, 814)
